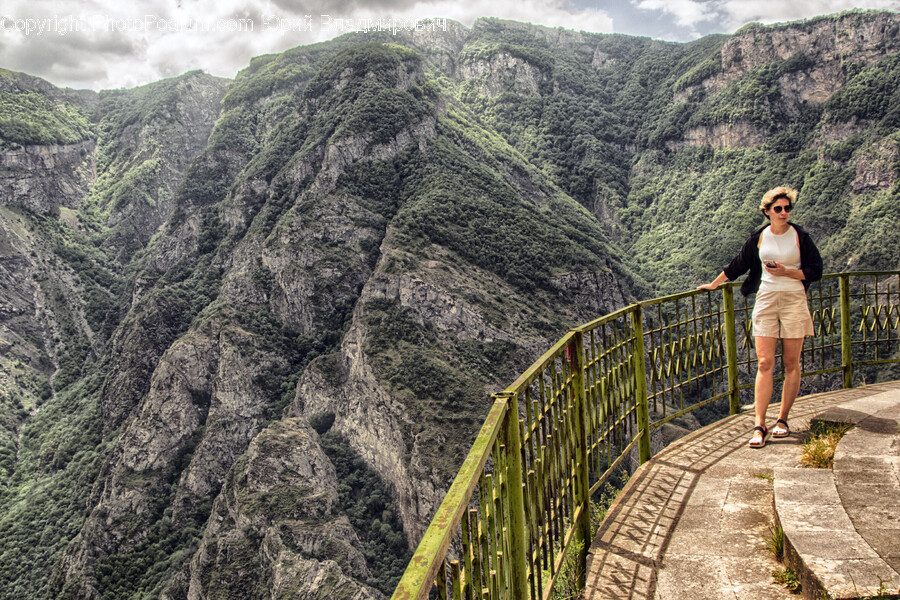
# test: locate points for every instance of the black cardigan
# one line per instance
(748, 260)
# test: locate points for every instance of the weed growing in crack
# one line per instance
(818, 450)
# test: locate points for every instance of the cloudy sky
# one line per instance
(101, 44)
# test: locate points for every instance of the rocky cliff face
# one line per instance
(289, 297)
(502, 72)
(830, 45)
(796, 69)
(722, 136)
(49, 164)
(316, 252)
(43, 178)
(276, 529)
(149, 138)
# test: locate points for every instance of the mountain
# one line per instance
(249, 328)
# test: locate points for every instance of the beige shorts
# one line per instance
(781, 315)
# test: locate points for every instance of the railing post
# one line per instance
(846, 348)
(517, 542)
(640, 383)
(734, 396)
(582, 463)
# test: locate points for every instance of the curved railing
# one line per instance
(522, 495)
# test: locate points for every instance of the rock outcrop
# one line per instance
(275, 530)
(43, 178)
(828, 44)
(147, 159)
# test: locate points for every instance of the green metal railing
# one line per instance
(557, 434)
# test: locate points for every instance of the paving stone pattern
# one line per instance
(692, 523)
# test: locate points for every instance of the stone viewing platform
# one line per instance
(694, 521)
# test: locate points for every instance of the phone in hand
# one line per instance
(770, 264)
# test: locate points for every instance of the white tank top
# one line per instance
(784, 249)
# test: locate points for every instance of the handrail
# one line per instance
(521, 500)
(439, 534)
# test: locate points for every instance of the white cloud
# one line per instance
(687, 13)
(128, 44)
(554, 13)
(726, 16)
(119, 44)
(737, 13)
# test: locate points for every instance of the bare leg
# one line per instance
(791, 349)
(765, 356)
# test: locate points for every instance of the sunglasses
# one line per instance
(787, 208)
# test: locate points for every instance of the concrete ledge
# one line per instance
(692, 523)
(842, 526)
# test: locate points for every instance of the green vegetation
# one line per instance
(152, 104)
(455, 198)
(83, 284)
(142, 571)
(788, 578)
(872, 94)
(367, 502)
(30, 118)
(370, 104)
(444, 398)
(567, 585)
(818, 450)
(272, 75)
(775, 544)
(578, 124)
(708, 67)
(669, 213)
(754, 98)
(44, 504)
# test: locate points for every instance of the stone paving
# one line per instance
(692, 523)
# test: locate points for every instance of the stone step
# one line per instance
(842, 526)
(692, 523)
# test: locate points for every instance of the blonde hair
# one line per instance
(773, 195)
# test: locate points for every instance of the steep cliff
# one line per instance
(320, 241)
(276, 529)
(148, 137)
(65, 290)
(47, 143)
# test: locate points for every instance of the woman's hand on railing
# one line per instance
(714, 283)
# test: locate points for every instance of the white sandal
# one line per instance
(780, 431)
(758, 441)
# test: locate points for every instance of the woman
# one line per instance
(783, 261)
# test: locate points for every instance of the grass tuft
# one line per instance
(787, 576)
(775, 542)
(818, 450)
